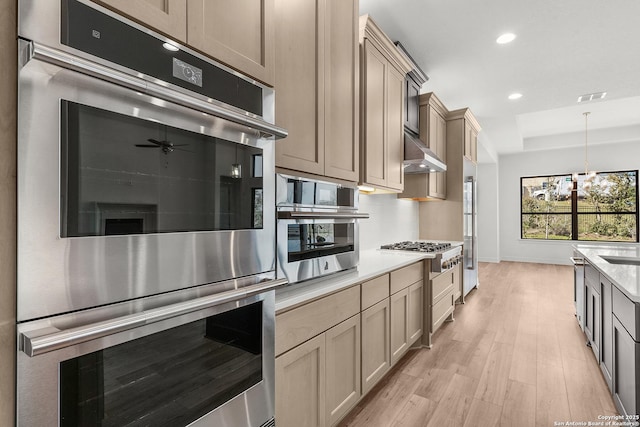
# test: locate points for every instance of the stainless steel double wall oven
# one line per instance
(146, 233)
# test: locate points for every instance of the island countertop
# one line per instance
(625, 277)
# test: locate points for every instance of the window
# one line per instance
(557, 208)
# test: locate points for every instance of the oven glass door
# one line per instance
(170, 378)
(317, 239)
(126, 175)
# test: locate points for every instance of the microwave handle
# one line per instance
(60, 58)
(34, 346)
(321, 215)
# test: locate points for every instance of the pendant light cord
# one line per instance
(586, 161)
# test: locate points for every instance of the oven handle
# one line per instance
(94, 69)
(34, 346)
(321, 215)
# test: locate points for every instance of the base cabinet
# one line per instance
(626, 360)
(593, 309)
(375, 344)
(300, 385)
(416, 311)
(399, 324)
(606, 348)
(343, 385)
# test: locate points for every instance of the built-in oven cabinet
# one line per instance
(239, 34)
(317, 84)
(382, 70)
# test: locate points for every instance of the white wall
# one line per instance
(391, 220)
(605, 157)
(488, 213)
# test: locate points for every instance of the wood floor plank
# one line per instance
(519, 407)
(455, 404)
(416, 413)
(495, 377)
(514, 356)
(483, 414)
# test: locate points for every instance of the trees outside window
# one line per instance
(556, 208)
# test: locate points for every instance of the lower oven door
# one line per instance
(207, 361)
(311, 247)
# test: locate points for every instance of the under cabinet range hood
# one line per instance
(418, 158)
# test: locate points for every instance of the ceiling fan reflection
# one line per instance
(166, 146)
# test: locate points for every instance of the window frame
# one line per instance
(574, 213)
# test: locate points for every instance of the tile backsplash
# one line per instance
(391, 220)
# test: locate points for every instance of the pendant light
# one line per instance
(589, 175)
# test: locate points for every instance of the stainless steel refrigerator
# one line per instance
(470, 228)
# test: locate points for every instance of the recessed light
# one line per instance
(515, 96)
(506, 38)
(171, 47)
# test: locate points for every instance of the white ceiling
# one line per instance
(563, 49)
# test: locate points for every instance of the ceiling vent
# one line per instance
(592, 96)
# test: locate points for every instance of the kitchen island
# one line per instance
(612, 318)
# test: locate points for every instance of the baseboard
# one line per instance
(493, 260)
(554, 260)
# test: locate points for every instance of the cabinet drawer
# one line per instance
(627, 312)
(440, 285)
(300, 324)
(592, 276)
(442, 308)
(374, 291)
(406, 276)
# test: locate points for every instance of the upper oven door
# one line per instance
(122, 194)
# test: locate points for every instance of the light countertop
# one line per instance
(373, 263)
(625, 277)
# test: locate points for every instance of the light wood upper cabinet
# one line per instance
(317, 87)
(471, 143)
(383, 71)
(166, 16)
(238, 33)
(300, 385)
(433, 132)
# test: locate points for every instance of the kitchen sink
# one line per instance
(624, 260)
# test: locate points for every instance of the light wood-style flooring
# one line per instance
(514, 356)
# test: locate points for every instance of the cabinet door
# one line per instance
(342, 88)
(438, 180)
(412, 106)
(238, 33)
(375, 344)
(416, 311)
(597, 326)
(399, 324)
(166, 16)
(395, 129)
(300, 385)
(588, 312)
(606, 349)
(626, 360)
(374, 87)
(473, 146)
(467, 140)
(343, 368)
(300, 87)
